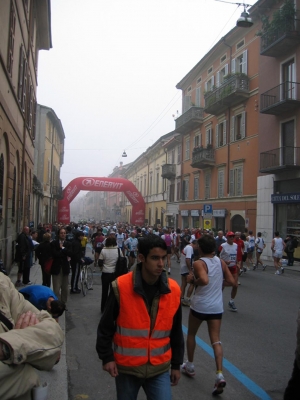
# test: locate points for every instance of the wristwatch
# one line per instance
(5, 351)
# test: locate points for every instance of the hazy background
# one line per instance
(111, 74)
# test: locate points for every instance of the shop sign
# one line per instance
(219, 213)
(195, 213)
(285, 198)
(184, 213)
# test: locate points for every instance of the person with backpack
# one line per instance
(168, 239)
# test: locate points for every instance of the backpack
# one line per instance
(168, 240)
(121, 265)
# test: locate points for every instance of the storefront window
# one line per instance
(195, 222)
(288, 222)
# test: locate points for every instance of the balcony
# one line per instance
(192, 118)
(168, 171)
(203, 158)
(280, 41)
(57, 192)
(232, 91)
(282, 98)
(281, 159)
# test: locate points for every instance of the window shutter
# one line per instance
(217, 135)
(186, 190)
(183, 190)
(231, 182)
(244, 65)
(239, 181)
(221, 184)
(243, 124)
(212, 82)
(206, 86)
(233, 66)
(232, 129)
(218, 79)
(198, 96)
(224, 133)
(21, 68)
(200, 139)
(187, 103)
(196, 188)
(226, 69)
(207, 185)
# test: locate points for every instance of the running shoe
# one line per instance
(188, 368)
(264, 267)
(241, 272)
(282, 270)
(19, 284)
(232, 306)
(254, 267)
(178, 261)
(245, 269)
(278, 273)
(220, 383)
(28, 283)
(186, 302)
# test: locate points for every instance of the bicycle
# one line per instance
(86, 275)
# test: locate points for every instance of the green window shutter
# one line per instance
(243, 124)
(239, 181)
(244, 65)
(231, 183)
(217, 135)
(232, 129)
(224, 133)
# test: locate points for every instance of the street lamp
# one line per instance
(124, 154)
(244, 21)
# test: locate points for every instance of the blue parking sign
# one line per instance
(207, 209)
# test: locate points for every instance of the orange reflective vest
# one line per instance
(134, 343)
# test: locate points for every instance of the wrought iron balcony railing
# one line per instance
(57, 192)
(283, 158)
(189, 120)
(279, 41)
(203, 157)
(168, 171)
(232, 91)
(281, 98)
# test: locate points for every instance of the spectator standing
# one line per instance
(60, 269)
(43, 253)
(76, 258)
(290, 246)
(144, 302)
(23, 251)
(168, 239)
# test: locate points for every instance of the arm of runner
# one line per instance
(228, 277)
(200, 273)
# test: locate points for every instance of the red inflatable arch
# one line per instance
(102, 184)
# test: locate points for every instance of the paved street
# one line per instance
(259, 342)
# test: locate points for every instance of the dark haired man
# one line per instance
(142, 318)
(43, 298)
(229, 255)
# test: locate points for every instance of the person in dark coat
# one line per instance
(43, 253)
(77, 255)
(60, 269)
(22, 257)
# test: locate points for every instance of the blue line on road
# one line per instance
(250, 385)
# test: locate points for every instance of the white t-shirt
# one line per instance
(109, 255)
(260, 244)
(187, 252)
(120, 238)
(132, 243)
(229, 253)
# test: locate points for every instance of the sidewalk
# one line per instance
(57, 378)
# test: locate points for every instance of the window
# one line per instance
(189, 89)
(208, 136)
(173, 156)
(172, 192)
(199, 80)
(221, 134)
(220, 75)
(209, 85)
(207, 179)
(288, 78)
(13, 198)
(238, 127)
(187, 148)
(178, 190)
(186, 103)
(236, 181)
(196, 187)
(198, 96)
(179, 154)
(185, 189)
(209, 71)
(141, 188)
(11, 39)
(157, 182)
(197, 140)
(223, 58)
(1, 183)
(239, 64)
(221, 183)
(49, 171)
(22, 83)
(150, 185)
(240, 44)
(145, 187)
(29, 116)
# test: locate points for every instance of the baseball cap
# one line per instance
(230, 234)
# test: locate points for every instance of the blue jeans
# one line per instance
(156, 388)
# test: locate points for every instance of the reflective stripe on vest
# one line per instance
(132, 332)
(125, 351)
(160, 350)
(160, 334)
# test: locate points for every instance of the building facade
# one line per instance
(48, 160)
(25, 29)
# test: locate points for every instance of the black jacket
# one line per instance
(24, 247)
(77, 253)
(60, 257)
(43, 252)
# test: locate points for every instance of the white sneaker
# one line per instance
(169, 271)
(220, 383)
(188, 368)
(278, 273)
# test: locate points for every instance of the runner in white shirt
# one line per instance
(131, 245)
(277, 247)
(251, 247)
(259, 245)
(229, 255)
(120, 237)
(186, 265)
